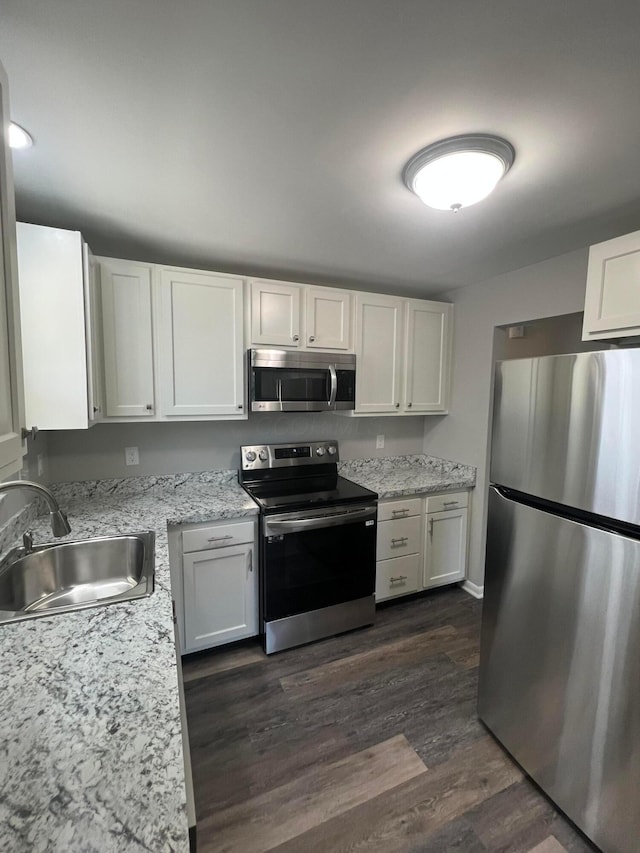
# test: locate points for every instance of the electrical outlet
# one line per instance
(40, 459)
(131, 456)
(379, 442)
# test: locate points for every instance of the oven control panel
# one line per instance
(258, 457)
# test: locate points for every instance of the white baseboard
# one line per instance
(473, 589)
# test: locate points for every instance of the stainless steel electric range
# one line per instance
(317, 543)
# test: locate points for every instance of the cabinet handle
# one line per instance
(431, 528)
(312, 338)
(409, 405)
(400, 540)
(218, 538)
(398, 579)
(149, 407)
(296, 337)
(396, 512)
(28, 433)
(397, 405)
(241, 406)
(250, 560)
(450, 503)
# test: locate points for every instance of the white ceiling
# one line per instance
(270, 135)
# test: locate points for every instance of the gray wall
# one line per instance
(202, 446)
(550, 288)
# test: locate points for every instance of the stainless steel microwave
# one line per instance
(285, 381)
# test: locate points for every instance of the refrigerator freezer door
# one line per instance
(560, 663)
(566, 428)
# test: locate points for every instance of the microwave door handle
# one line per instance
(334, 387)
(280, 394)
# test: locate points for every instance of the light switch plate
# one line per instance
(379, 442)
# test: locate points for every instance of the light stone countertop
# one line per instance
(397, 476)
(90, 735)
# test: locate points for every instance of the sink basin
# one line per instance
(64, 576)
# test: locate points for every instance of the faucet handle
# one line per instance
(27, 541)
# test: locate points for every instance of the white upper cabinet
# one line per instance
(275, 313)
(299, 316)
(62, 353)
(427, 336)
(11, 396)
(402, 350)
(128, 338)
(612, 302)
(378, 345)
(328, 318)
(201, 348)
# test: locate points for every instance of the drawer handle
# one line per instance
(396, 512)
(218, 538)
(431, 528)
(451, 503)
(400, 540)
(399, 579)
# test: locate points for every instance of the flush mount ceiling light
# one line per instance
(18, 136)
(459, 171)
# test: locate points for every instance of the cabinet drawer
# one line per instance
(399, 576)
(441, 503)
(388, 510)
(218, 536)
(399, 537)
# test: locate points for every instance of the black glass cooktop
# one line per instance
(283, 495)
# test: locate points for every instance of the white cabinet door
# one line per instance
(446, 547)
(61, 351)
(328, 318)
(93, 333)
(201, 348)
(612, 303)
(378, 346)
(275, 313)
(427, 333)
(128, 338)
(11, 398)
(219, 596)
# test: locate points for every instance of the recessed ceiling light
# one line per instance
(18, 136)
(459, 171)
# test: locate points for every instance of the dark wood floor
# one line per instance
(364, 742)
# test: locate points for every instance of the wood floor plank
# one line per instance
(405, 817)
(398, 653)
(205, 665)
(549, 845)
(270, 819)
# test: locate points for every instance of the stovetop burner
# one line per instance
(291, 477)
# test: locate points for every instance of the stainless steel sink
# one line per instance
(62, 576)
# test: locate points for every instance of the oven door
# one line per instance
(317, 559)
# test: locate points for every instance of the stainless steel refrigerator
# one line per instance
(560, 652)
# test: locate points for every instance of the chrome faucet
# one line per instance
(59, 524)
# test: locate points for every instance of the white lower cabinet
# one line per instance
(446, 547)
(215, 569)
(422, 543)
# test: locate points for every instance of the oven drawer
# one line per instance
(217, 536)
(398, 576)
(398, 538)
(388, 510)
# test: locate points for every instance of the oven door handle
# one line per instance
(335, 519)
(333, 393)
